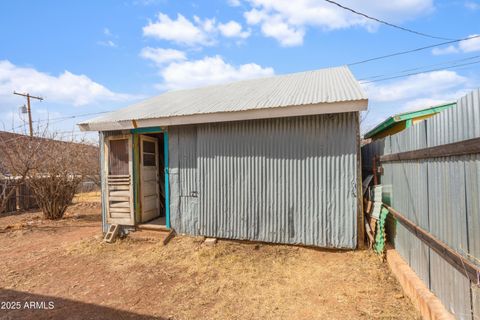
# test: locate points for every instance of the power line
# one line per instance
(410, 51)
(59, 119)
(385, 22)
(415, 73)
(418, 68)
(73, 116)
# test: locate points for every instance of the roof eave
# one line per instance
(251, 114)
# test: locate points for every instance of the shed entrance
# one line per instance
(151, 180)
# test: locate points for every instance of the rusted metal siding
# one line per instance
(286, 180)
(442, 196)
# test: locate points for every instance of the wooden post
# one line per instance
(360, 215)
(29, 110)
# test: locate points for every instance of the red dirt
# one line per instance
(66, 262)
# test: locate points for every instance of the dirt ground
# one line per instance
(66, 268)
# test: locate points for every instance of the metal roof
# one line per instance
(392, 120)
(324, 86)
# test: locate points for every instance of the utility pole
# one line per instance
(28, 96)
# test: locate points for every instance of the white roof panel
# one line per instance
(324, 86)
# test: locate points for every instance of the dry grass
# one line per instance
(234, 280)
(94, 196)
(138, 277)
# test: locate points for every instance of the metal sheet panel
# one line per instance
(457, 213)
(286, 180)
(409, 194)
(445, 204)
(305, 88)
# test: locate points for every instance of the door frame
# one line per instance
(135, 133)
(142, 138)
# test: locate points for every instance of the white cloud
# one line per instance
(422, 103)
(445, 50)
(108, 43)
(232, 29)
(65, 88)
(466, 46)
(284, 33)
(471, 45)
(413, 93)
(431, 84)
(161, 56)
(192, 33)
(472, 5)
(286, 20)
(234, 3)
(107, 32)
(180, 30)
(207, 71)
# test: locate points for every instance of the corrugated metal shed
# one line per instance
(284, 180)
(317, 88)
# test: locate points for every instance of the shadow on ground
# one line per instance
(34, 306)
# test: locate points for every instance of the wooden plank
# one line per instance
(119, 210)
(462, 264)
(120, 193)
(118, 184)
(169, 237)
(126, 181)
(118, 187)
(110, 198)
(124, 204)
(465, 147)
(120, 176)
(119, 215)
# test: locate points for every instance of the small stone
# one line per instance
(210, 241)
(399, 296)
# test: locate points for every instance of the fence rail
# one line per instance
(430, 176)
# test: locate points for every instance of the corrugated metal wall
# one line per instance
(442, 196)
(284, 180)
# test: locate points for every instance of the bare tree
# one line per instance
(51, 167)
(18, 158)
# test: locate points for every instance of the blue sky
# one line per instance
(86, 57)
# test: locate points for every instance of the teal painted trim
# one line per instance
(167, 180)
(379, 128)
(408, 123)
(407, 116)
(424, 112)
(147, 130)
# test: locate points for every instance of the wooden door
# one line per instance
(119, 184)
(149, 184)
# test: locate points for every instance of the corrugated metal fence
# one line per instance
(441, 195)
